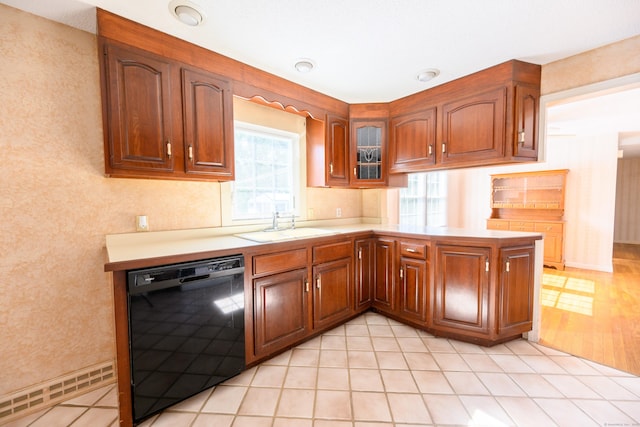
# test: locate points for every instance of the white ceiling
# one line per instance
(372, 50)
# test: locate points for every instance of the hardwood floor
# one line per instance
(593, 314)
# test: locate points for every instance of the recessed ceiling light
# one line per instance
(426, 75)
(186, 12)
(304, 65)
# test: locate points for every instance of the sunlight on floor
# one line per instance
(568, 293)
(481, 418)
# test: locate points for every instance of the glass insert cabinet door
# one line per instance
(369, 149)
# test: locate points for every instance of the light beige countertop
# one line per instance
(137, 247)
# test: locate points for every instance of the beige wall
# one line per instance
(597, 65)
(56, 304)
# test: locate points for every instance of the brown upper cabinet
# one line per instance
(328, 152)
(163, 119)
(489, 117)
(350, 152)
(167, 107)
(368, 154)
(413, 141)
(208, 124)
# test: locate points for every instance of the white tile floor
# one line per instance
(375, 372)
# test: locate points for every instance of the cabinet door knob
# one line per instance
(359, 253)
(169, 149)
(318, 282)
(444, 147)
(486, 266)
(191, 153)
(355, 172)
(401, 273)
(521, 137)
(306, 285)
(507, 266)
(430, 149)
(331, 168)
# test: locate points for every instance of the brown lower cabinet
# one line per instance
(280, 310)
(476, 290)
(289, 303)
(413, 286)
(483, 294)
(333, 288)
(461, 290)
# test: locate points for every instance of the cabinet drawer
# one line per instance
(548, 227)
(332, 251)
(497, 224)
(521, 226)
(413, 249)
(279, 261)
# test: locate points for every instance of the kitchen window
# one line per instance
(424, 201)
(267, 174)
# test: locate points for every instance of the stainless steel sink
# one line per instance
(288, 234)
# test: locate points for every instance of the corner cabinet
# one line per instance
(368, 152)
(364, 262)
(164, 119)
(350, 152)
(398, 270)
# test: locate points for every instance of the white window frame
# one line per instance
(227, 190)
(424, 201)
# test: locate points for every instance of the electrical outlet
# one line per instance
(338, 212)
(142, 224)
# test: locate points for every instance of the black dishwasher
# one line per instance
(186, 329)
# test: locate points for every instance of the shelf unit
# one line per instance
(532, 201)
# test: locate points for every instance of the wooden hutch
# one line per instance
(532, 201)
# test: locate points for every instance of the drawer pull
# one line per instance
(411, 250)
